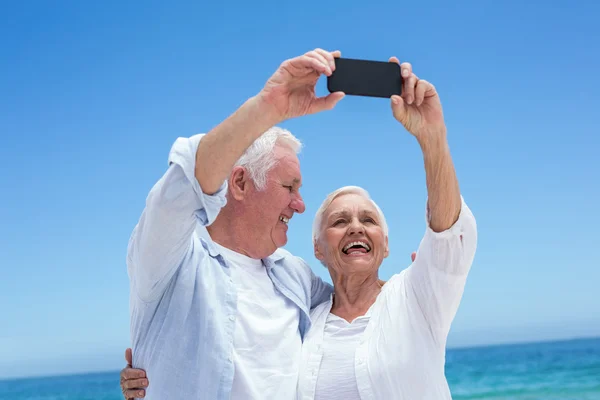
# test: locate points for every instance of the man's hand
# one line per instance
(291, 89)
(133, 381)
(418, 108)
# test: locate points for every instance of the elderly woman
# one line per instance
(376, 340)
(387, 340)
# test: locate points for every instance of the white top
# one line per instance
(266, 344)
(336, 380)
(401, 354)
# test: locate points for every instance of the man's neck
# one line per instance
(229, 232)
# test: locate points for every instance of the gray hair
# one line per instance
(337, 193)
(258, 159)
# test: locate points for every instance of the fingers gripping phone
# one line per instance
(365, 78)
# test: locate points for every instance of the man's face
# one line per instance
(272, 208)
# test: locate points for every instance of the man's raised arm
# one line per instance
(193, 188)
(225, 144)
(287, 94)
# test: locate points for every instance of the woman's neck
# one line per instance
(353, 296)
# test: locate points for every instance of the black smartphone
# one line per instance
(365, 78)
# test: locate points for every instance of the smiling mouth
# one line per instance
(358, 247)
(283, 219)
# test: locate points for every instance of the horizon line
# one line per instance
(523, 342)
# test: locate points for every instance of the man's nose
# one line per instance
(297, 204)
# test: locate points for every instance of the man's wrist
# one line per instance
(264, 111)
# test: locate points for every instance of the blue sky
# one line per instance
(92, 95)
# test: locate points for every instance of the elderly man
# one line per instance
(218, 309)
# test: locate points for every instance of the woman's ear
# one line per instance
(387, 248)
(318, 253)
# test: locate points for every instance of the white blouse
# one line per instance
(337, 380)
(401, 354)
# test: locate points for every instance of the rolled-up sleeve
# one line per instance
(439, 273)
(164, 233)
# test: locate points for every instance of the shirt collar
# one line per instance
(275, 257)
(269, 261)
(208, 245)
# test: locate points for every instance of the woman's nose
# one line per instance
(356, 227)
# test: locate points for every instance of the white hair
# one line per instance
(258, 159)
(337, 193)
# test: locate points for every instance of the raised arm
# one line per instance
(193, 188)
(438, 275)
(420, 111)
(287, 94)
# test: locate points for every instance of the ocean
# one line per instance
(566, 370)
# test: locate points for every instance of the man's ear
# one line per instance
(239, 182)
(318, 253)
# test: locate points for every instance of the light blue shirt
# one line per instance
(183, 301)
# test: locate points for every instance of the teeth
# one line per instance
(283, 219)
(363, 244)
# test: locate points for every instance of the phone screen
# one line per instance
(365, 78)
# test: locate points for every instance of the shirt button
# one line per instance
(360, 360)
(231, 318)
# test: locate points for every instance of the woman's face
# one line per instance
(352, 238)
